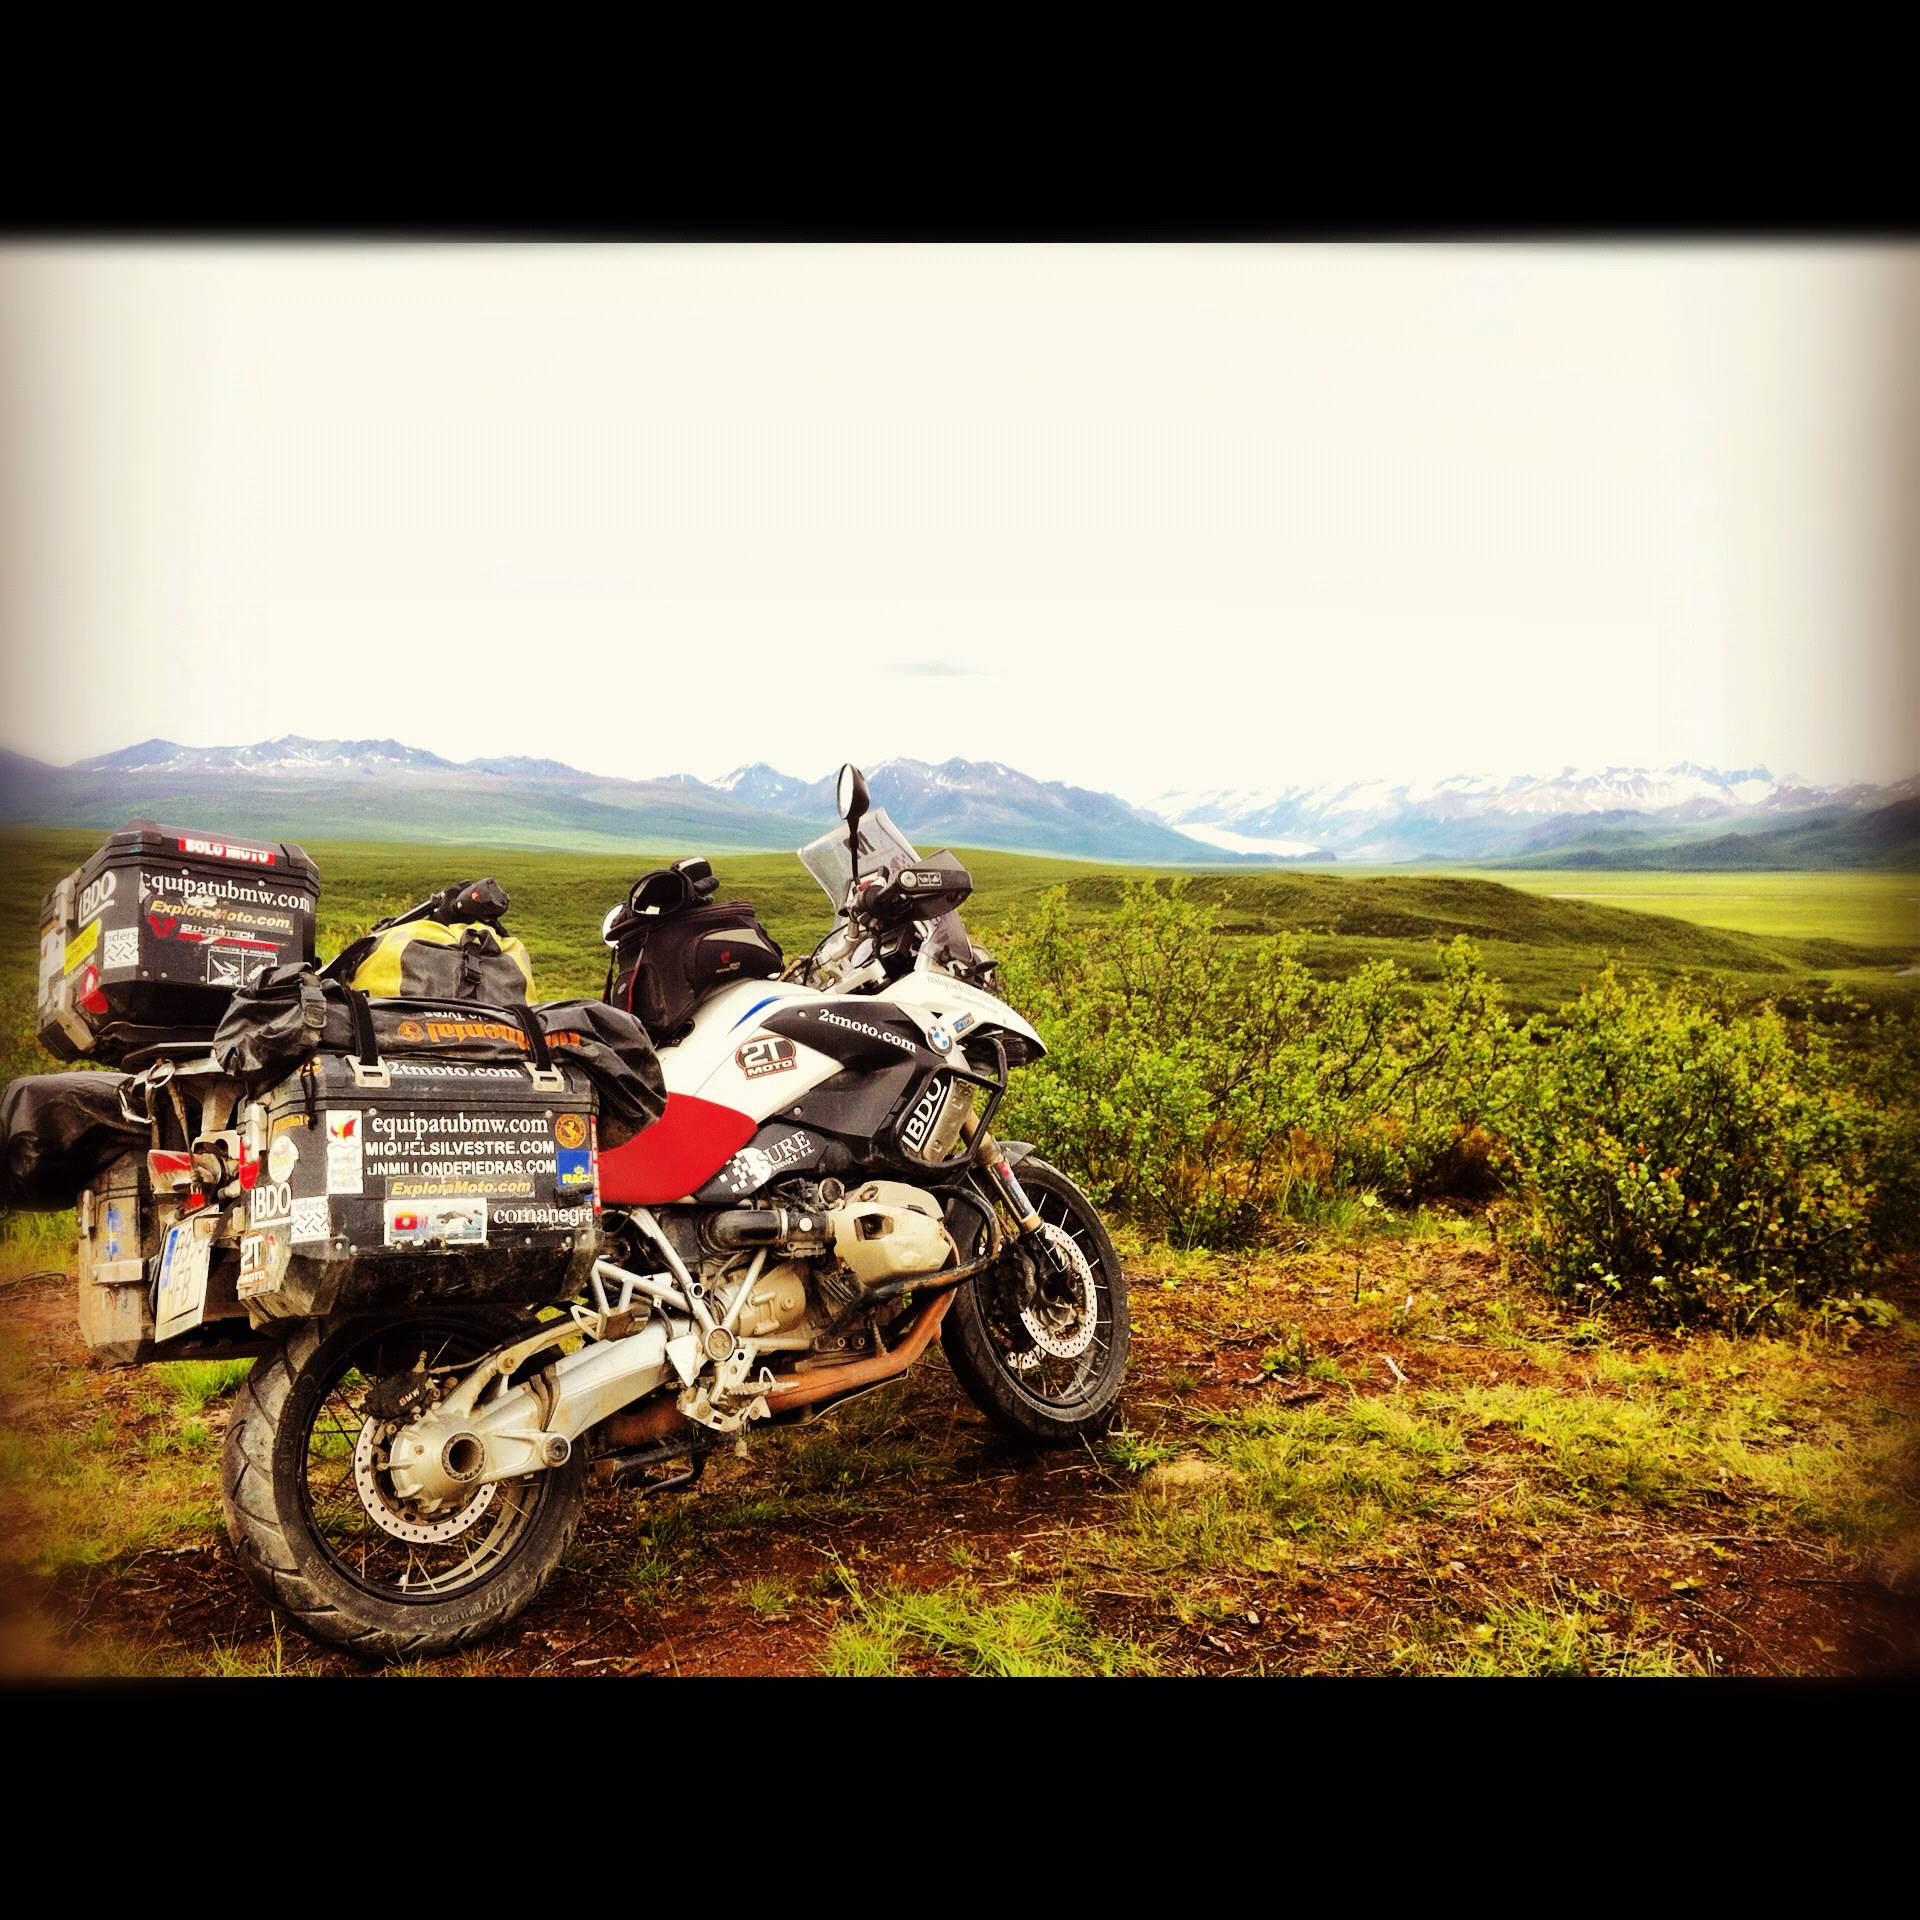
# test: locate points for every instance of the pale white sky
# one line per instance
(1134, 517)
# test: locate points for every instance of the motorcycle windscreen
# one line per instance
(884, 849)
(690, 1142)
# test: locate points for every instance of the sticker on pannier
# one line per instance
(443, 1223)
(262, 1263)
(344, 1158)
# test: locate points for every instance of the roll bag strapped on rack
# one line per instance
(61, 1132)
(282, 1019)
(449, 947)
(148, 939)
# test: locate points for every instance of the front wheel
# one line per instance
(323, 1535)
(1044, 1358)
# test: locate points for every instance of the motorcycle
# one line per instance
(821, 1196)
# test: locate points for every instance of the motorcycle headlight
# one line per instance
(1020, 1051)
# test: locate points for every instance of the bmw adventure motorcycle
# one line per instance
(821, 1196)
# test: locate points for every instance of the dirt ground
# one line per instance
(1378, 1458)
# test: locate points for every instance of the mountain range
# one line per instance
(1629, 815)
(377, 789)
(292, 787)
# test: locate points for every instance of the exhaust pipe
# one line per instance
(660, 1420)
(791, 1390)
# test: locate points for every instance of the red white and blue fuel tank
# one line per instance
(723, 1080)
(732, 1073)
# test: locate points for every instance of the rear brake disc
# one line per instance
(403, 1521)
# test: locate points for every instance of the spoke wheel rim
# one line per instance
(1056, 1383)
(354, 1541)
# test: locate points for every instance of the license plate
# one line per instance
(182, 1294)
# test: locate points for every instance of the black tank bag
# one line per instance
(673, 945)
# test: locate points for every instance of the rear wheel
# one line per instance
(321, 1532)
(1045, 1361)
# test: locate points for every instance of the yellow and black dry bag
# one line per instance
(450, 947)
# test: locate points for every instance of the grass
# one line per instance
(768, 1596)
(1870, 909)
(1490, 1488)
(194, 1383)
(237, 1662)
(1523, 1425)
(661, 1554)
(1564, 1638)
(1541, 1492)
(892, 1630)
(96, 1494)
(1128, 1450)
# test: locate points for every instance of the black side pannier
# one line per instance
(434, 1179)
(673, 944)
(148, 939)
(398, 1129)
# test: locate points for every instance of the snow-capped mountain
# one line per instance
(289, 756)
(1478, 816)
(763, 786)
(293, 787)
(987, 803)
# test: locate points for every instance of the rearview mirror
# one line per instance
(850, 794)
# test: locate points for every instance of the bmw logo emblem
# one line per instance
(939, 1039)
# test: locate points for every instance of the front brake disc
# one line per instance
(1063, 1329)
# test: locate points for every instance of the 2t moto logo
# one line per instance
(765, 1056)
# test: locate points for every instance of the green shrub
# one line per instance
(1692, 1162)
(1206, 1085)
(1678, 1155)
(1888, 1075)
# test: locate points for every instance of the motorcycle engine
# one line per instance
(842, 1244)
(777, 1304)
(886, 1229)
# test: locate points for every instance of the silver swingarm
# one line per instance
(485, 1430)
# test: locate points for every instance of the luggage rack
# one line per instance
(179, 1052)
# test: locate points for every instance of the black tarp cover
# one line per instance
(291, 1013)
(62, 1131)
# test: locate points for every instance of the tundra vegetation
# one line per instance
(1661, 1147)
(1521, 1285)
